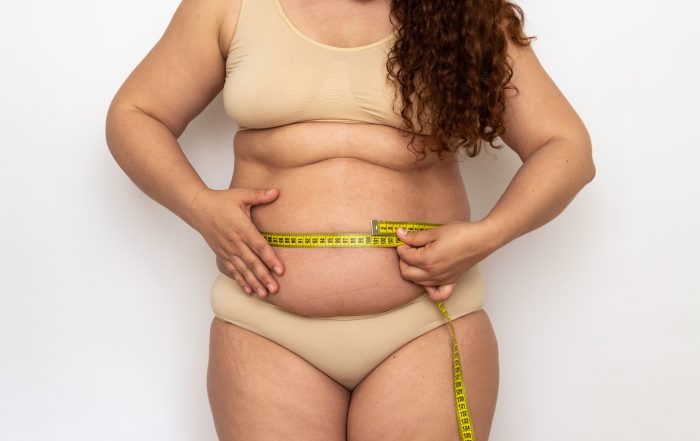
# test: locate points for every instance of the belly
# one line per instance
(336, 177)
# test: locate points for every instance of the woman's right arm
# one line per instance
(176, 80)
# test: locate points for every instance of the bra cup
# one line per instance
(276, 76)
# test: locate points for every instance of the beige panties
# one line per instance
(346, 348)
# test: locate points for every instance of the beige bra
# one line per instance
(277, 75)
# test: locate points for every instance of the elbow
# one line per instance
(588, 169)
(588, 152)
(579, 151)
(591, 172)
(581, 148)
(109, 130)
(118, 123)
(111, 126)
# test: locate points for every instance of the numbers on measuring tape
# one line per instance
(382, 234)
(464, 419)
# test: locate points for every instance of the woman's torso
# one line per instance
(335, 177)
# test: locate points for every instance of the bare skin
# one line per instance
(335, 177)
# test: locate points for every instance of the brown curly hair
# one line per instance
(452, 54)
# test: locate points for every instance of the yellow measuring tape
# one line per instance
(383, 234)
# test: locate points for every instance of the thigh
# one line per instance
(410, 396)
(258, 390)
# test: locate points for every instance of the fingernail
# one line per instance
(401, 230)
(247, 289)
(278, 270)
(269, 191)
(261, 292)
(270, 287)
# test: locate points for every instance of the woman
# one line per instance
(350, 110)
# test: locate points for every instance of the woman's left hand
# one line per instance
(437, 257)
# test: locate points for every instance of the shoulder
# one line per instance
(230, 11)
(214, 17)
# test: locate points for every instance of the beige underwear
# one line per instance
(346, 348)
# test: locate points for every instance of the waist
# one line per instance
(344, 195)
(339, 281)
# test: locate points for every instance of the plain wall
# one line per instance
(104, 307)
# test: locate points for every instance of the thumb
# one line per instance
(416, 238)
(440, 293)
(254, 196)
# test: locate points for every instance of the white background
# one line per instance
(104, 314)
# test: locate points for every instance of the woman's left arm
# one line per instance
(555, 147)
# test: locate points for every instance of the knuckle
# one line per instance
(233, 237)
(259, 268)
(260, 247)
(221, 250)
(250, 263)
(262, 273)
(226, 248)
(417, 260)
(250, 279)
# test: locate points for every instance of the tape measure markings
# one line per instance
(382, 235)
(464, 419)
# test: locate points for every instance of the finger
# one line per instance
(261, 271)
(416, 238)
(223, 245)
(235, 275)
(257, 243)
(441, 292)
(414, 274)
(249, 276)
(255, 196)
(412, 255)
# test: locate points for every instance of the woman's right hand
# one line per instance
(223, 218)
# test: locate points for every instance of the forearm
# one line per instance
(150, 155)
(544, 185)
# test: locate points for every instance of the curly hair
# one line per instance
(451, 66)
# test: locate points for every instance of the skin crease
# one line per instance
(368, 169)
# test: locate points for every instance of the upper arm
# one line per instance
(540, 111)
(183, 72)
